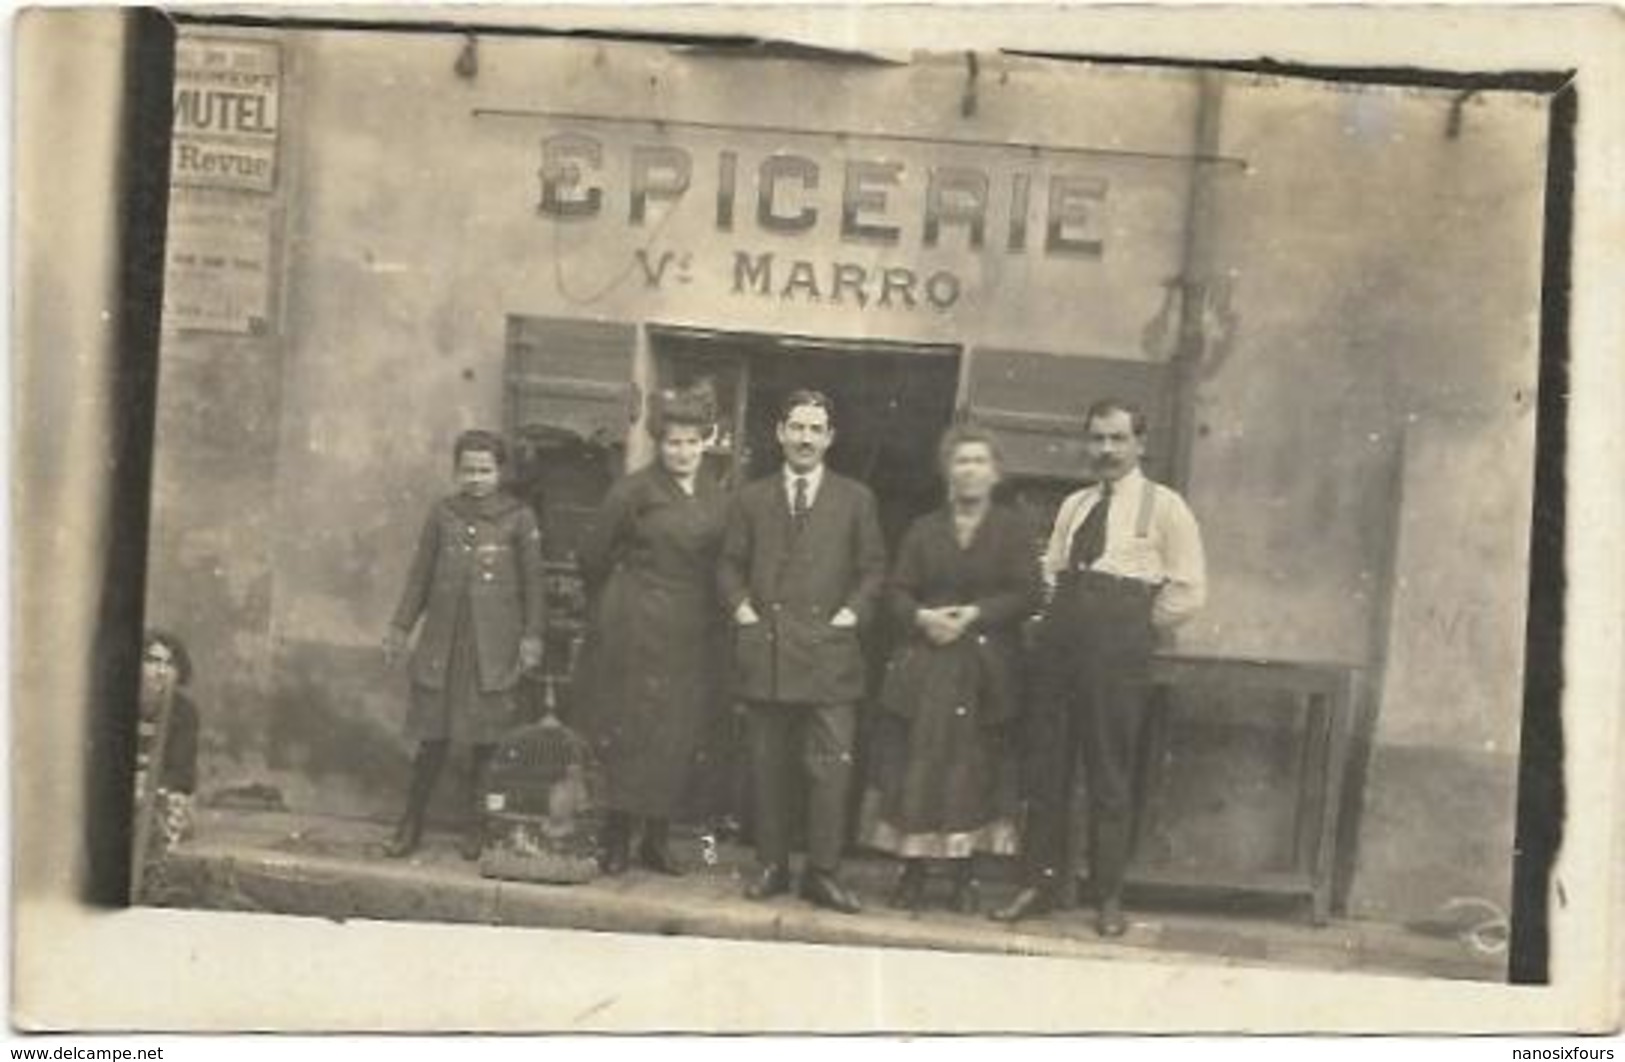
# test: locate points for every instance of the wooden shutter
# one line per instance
(571, 374)
(1034, 403)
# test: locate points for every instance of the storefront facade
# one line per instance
(1327, 299)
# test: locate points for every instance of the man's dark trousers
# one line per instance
(1093, 659)
(789, 742)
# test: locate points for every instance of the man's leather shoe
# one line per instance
(769, 882)
(821, 888)
(1110, 921)
(1029, 903)
(966, 898)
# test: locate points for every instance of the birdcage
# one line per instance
(540, 804)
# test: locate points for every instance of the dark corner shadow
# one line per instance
(1541, 795)
(141, 186)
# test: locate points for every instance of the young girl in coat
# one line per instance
(476, 584)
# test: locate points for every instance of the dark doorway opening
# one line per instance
(892, 403)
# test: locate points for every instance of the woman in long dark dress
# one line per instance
(648, 676)
(966, 577)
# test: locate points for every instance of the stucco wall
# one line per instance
(1384, 272)
(1386, 277)
(215, 480)
(1383, 275)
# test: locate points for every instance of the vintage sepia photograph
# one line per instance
(1052, 504)
(967, 501)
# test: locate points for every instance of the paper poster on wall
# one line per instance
(226, 113)
(218, 274)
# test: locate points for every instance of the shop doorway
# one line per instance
(892, 403)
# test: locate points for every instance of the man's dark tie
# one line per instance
(1089, 540)
(798, 506)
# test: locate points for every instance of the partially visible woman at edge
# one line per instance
(648, 671)
(965, 578)
(165, 777)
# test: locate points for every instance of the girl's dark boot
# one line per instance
(431, 755)
(473, 839)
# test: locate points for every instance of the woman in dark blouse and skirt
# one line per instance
(649, 668)
(965, 578)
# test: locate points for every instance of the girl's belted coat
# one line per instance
(489, 551)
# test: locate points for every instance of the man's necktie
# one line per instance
(1089, 541)
(798, 506)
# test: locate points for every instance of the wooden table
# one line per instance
(1322, 696)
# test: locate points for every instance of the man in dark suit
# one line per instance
(801, 570)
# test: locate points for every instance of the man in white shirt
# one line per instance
(1124, 561)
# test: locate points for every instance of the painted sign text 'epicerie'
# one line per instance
(867, 201)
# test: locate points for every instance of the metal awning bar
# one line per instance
(798, 342)
(1118, 154)
(532, 383)
(1021, 420)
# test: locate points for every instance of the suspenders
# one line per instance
(1148, 507)
(1148, 503)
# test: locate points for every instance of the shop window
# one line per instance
(572, 375)
(1034, 403)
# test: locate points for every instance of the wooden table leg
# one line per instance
(1338, 730)
(1148, 765)
(1311, 793)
